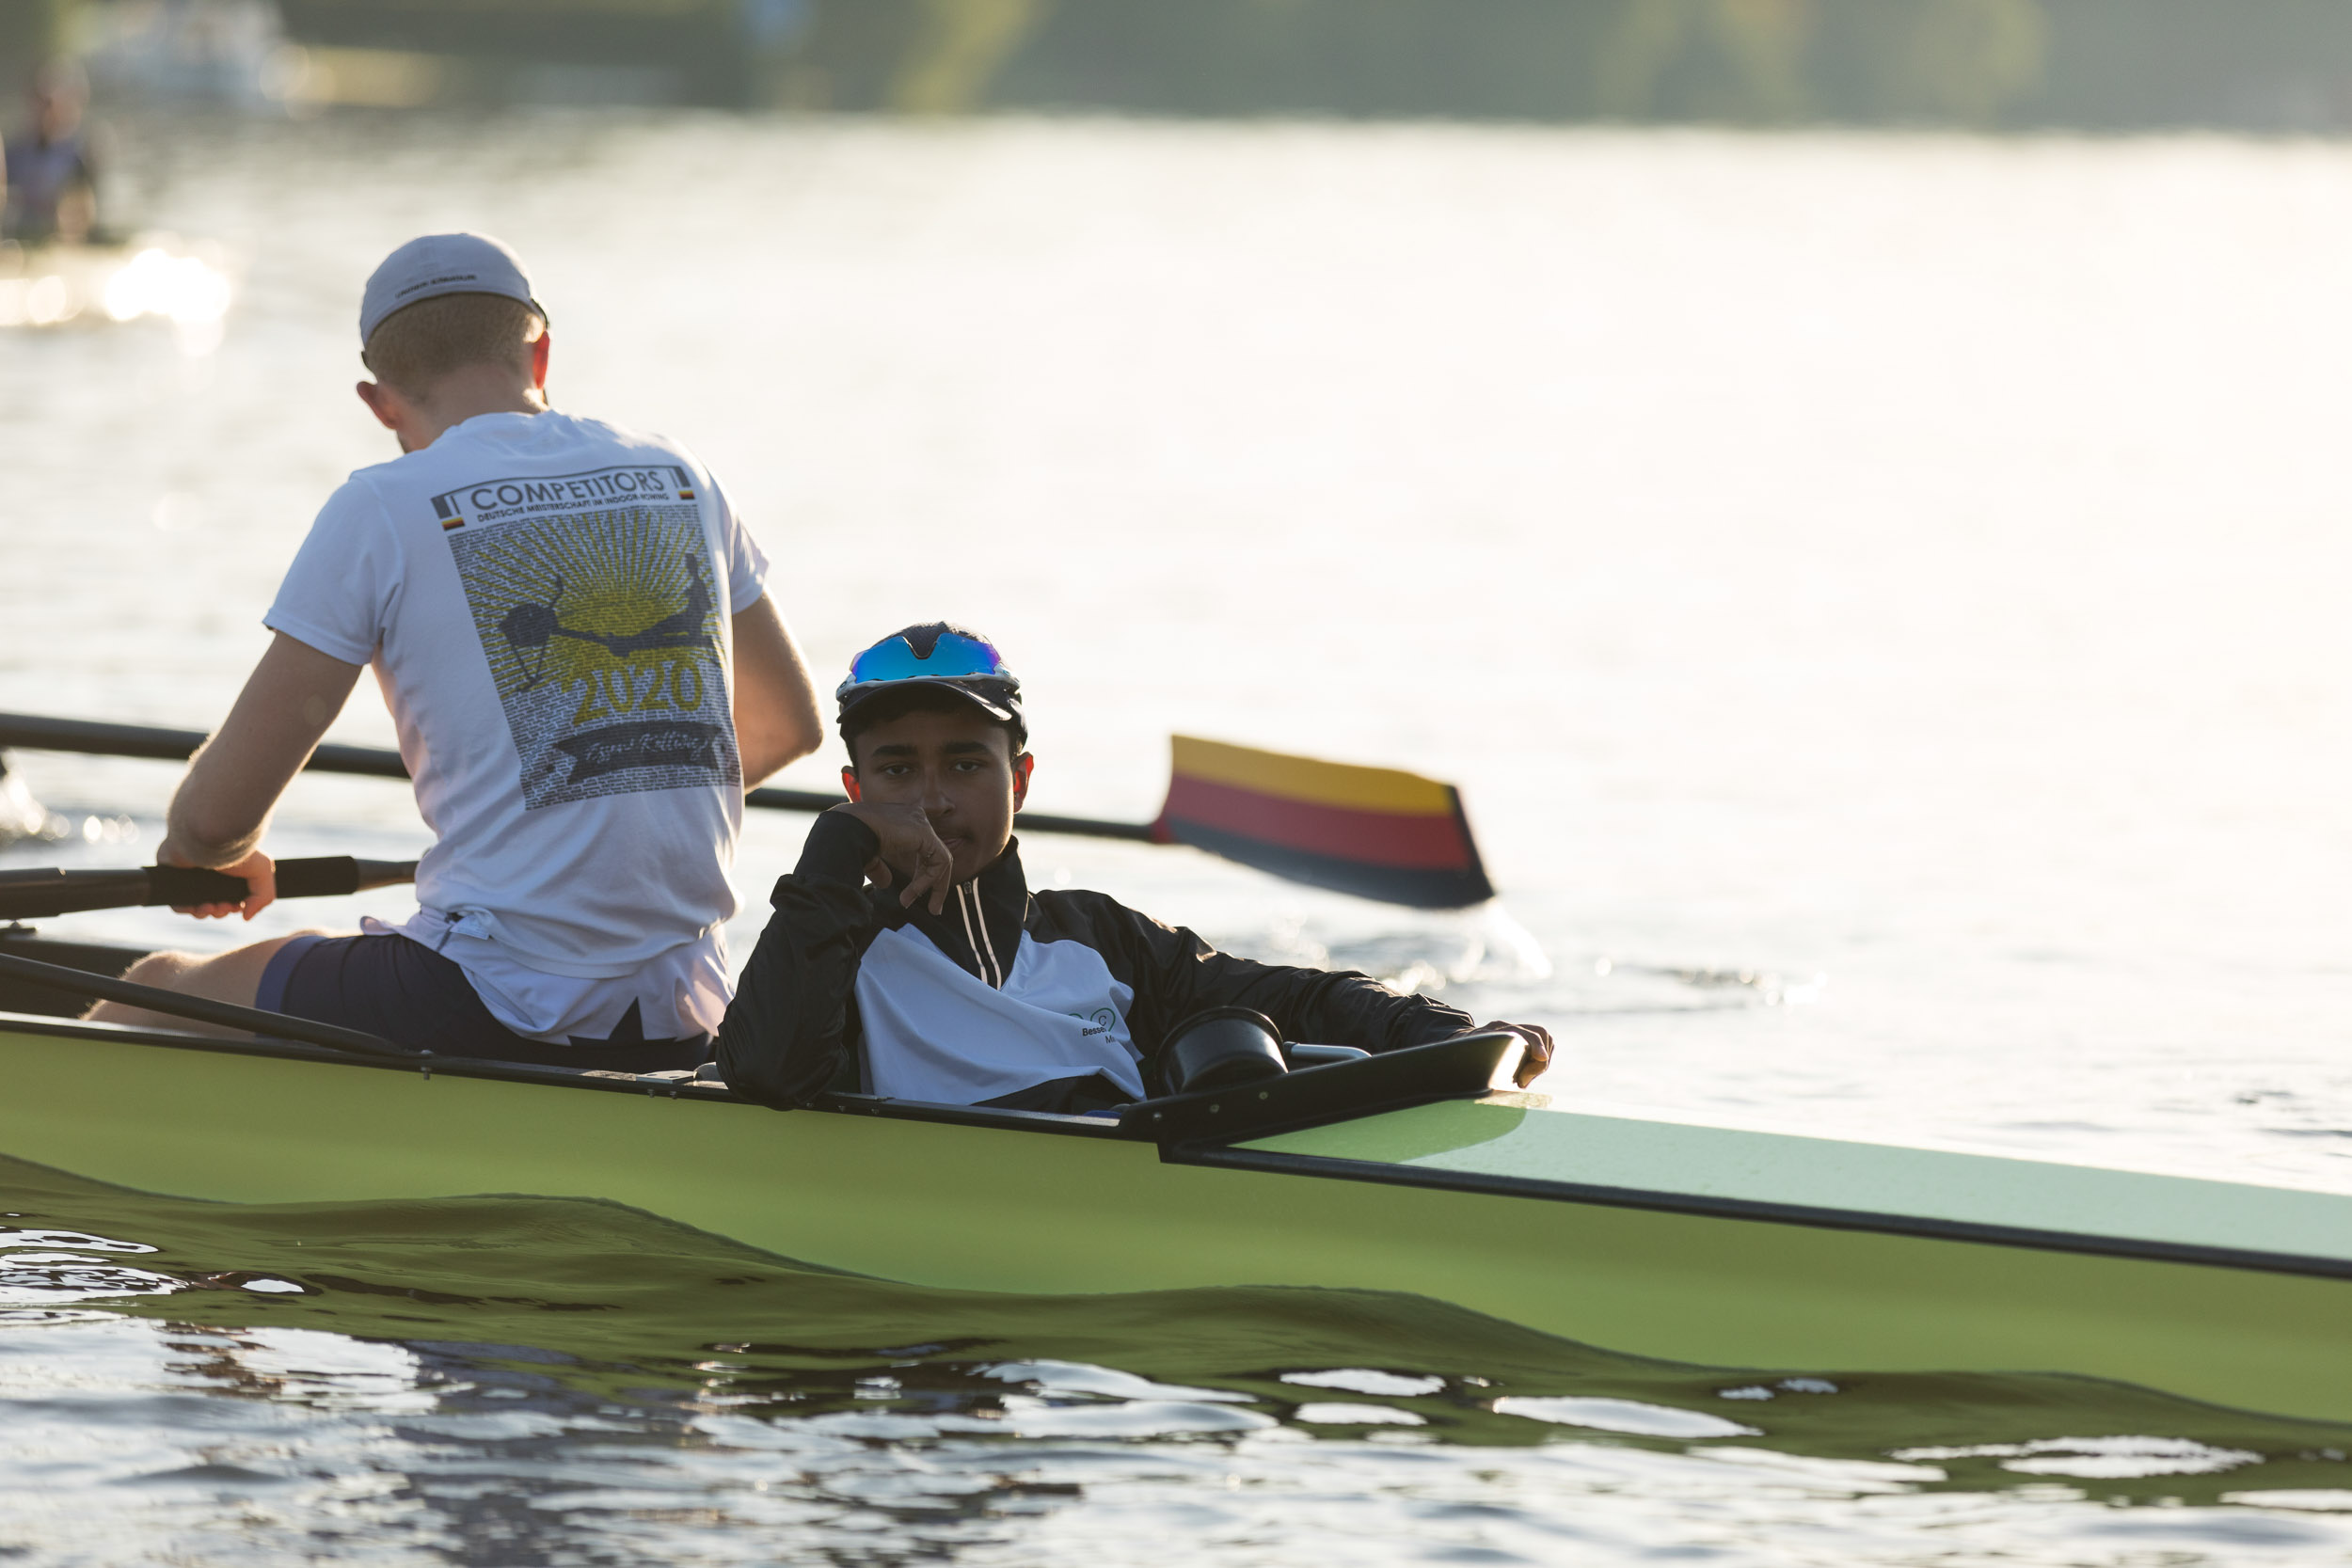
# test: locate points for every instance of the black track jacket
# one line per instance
(1057, 1000)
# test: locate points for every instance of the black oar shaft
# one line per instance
(1083, 826)
(225, 1015)
(106, 740)
(790, 800)
(44, 894)
(37, 732)
(1029, 822)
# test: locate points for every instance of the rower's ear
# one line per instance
(539, 361)
(378, 398)
(848, 781)
(1021, 766)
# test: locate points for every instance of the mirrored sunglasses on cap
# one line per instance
(954, 657)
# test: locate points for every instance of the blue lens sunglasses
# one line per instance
(953, 658)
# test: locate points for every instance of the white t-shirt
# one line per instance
(546, 604)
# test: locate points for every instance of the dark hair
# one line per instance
(884, 706)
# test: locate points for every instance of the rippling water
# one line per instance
(517, 1380)
(1878, 595)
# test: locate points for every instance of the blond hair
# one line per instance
(417, 344)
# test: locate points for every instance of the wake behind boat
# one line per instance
(1406, 1172)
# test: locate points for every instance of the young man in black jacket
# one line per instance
(909, 957)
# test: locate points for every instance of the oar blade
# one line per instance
(1376, 832)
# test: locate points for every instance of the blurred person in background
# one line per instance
(52, 183)
(571, 628)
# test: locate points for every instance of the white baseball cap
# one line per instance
(433, 265)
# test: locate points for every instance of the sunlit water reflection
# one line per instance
(288, 1443)
(235, 1433)
(1879, 597)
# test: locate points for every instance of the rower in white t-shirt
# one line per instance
(571, 628)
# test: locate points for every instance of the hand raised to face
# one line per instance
(956, 768)
(911, 848)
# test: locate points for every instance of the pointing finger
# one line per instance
(940, 865)
(931, 880)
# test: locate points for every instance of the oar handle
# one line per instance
(178, 884)
(226, 1015)
(44, 894)
(320, 876)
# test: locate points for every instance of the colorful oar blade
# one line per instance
(1374, 832)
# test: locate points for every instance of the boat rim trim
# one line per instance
(656, 1084)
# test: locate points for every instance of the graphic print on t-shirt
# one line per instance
(602, 628)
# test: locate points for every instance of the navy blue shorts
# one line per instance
(401, 990)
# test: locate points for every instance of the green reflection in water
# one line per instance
(617, 1303)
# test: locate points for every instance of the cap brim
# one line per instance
(854, 701)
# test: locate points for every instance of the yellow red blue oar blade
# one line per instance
(1378, 832)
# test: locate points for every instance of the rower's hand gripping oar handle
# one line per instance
(321, 876)
(226, 1015)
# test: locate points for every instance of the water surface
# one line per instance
(1878, 595)
(526, 1380)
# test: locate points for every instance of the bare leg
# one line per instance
(231, 976)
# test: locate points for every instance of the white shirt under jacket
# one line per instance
(933, 1031)
(545, 601)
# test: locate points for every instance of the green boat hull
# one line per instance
(1421, 1200)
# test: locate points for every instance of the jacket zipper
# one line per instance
(983, 949)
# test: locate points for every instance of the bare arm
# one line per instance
(775, 708)
(221, 807)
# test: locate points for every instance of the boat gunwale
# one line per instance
(551, 1076)
(455, 1066)
(1215, 1155)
